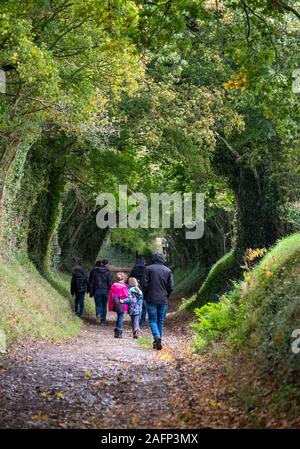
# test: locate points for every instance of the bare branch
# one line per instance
(230, 148)
(74, 51)
(248, 21)
(282, 6)
(262, 19)
(72, 28)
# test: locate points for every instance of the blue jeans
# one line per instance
(101, 299)
(135, 322)
(79, 303)
(144, 314)
(157, 314)
(120, 319)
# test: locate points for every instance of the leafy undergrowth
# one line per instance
(30, 306)
(258, 318)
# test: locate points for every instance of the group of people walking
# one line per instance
(146, 289)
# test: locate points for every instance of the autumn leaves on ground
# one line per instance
(57, 374)
(165, 97)
(96, 381)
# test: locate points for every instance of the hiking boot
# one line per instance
(154, 344)
(118, 333)
(103, 321)
(136, 333)
(158, 344)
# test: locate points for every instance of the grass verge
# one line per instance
(30, 306)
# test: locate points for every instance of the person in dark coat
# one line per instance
(79, 287)
(139, 272)
(99, 285)
(159, 285)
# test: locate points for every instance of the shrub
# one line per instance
(215, 320)
(267, 316)
(260, 313)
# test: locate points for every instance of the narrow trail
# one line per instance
(97, 381)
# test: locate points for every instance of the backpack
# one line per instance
(118, 307)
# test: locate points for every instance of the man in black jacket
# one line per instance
(159, 286)
(139, 272)
(79, 286)
(100, 282)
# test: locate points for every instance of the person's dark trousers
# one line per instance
(135, 322)
(143, 314)
(79, 303)
(101, 299)
(157, 314)
(120, 319)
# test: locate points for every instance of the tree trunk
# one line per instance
(258, 223)
(8, 153)
(257, 195)
(44, 221)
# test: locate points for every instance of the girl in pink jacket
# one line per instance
(119, 290)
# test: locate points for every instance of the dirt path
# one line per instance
(97, 381)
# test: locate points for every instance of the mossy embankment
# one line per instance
(259, 306)
(257, 321)
(30, 305)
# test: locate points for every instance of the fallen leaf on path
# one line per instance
(49, 394)
(166, 357)
(101, 383)
(135, 419)
(44, 394)
(59, 394)
(40, 417)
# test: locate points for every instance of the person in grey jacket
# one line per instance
(159, 285)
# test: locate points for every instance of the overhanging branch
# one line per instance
(238, 157)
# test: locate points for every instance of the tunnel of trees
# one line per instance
(164, 96)
(161, 96)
